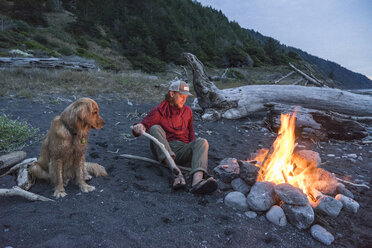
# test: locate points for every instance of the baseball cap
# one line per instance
(181, 87)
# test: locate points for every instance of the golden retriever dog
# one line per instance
(62, 155)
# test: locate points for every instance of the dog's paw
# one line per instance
(59, 193)
(87, 188)
(87, 177)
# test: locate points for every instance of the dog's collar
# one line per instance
(68, 128)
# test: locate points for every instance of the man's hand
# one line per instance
(138, 129)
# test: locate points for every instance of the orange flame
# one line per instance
(278, 167)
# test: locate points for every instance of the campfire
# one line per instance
(282, 165)
(286, 183)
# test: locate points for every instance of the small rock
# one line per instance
(236, 200)
(262, 196)
(227, 170)
(306, 158)
(290, 194)
(239, 185)
(299, 216)
(251, 214)
(341, 189)
(248, 172)
(321, 234)
(328, 205)
(223, 186)
(353, 155)
(349, 204)
(276, 216)
(330, 155)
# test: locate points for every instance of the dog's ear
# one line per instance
(83, 112)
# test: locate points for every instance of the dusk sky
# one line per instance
(335, 30)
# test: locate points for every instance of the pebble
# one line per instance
(321, 234)
(331, 155)
(353, 155)
(251, 214)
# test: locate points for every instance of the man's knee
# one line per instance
(156, 129)
(202, 143)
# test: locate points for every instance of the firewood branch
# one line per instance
(354, 184)
(162, 147)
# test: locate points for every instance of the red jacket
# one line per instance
(177, 123)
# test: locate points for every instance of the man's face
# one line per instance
(178, 100)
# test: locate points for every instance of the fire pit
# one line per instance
(285, 183)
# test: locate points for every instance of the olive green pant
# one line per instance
(195, 152)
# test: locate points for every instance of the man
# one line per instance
(171, 122)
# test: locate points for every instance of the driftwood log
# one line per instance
(324, 112)
(11, 159)
(316, 124)
(54, 63)
(239, 102)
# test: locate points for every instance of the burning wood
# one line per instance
(315, 194)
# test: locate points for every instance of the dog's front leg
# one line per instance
(56, 173)
(80, 177)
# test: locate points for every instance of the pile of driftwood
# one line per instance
(48, 63)
(326, 112)
(16, 164)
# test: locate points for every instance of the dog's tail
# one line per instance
(95, 169)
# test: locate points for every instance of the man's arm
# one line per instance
(152, 118)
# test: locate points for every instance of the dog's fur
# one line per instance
(62, 155)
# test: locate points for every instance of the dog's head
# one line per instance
(83, 114)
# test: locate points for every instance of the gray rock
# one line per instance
(321, 234)
(306, 158)
(262, 196)
(236, 200)
(328, 205)
(299, 216)
(290, 194)
(227, 170)
(223, 186)
(341, 189)
(349, 204)
(276, 216)
(248, 172)
(251, 214)
(238, 184)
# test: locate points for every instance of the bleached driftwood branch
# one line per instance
(354, 184)
(280, 79)
(17, 191)
(314, 81)
(162, 147)
(129, 156)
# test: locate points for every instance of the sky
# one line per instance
(335, 30)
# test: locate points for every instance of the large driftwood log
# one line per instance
(55, 63)
(209, 96)
(312, 80)
(11, 159)
(239, 102)
(316, 124)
